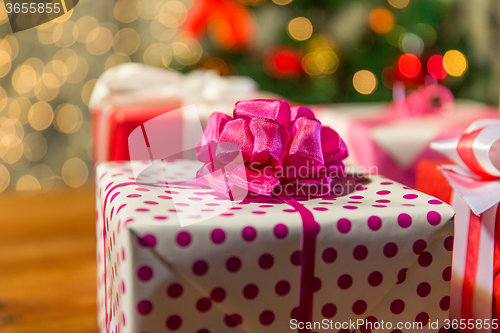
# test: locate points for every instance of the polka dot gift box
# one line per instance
(382, 255)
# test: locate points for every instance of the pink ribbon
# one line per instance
(282, 149)
(271, 149)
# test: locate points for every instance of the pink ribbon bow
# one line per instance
(270, 147)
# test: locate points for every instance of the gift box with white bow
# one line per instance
(226, 244)
(394, 137)
(128, 95)
(472, 185)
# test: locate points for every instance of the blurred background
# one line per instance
(310, 51)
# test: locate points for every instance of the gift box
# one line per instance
(128, 95)
(391, 138)
(382, 253)
(470, 183)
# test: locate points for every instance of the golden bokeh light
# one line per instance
(3, 98)
(399, 3)
(4, 178)
(65, 34)
(364, 82)
(48, 89)
(126, 41)
(320, 62)
(28, 183)
(186, 50)
(149, 9)
(75, 172)
(381, 20)
(158, 55)
(18, 109)
(127, 11)
(5, 63)
(40, 116)
(172, 14)
(282, 2)
(24, 79)
(99, 40)
(78, 69)
(85, 25)
(454, 63)
(44, 175)
(35, 146)
(87, 90)
(11, 132)
(12, 44)
(13, 154)
(115, 59)
(300, 28)
(68, 118)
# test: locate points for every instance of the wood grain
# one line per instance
(47, 262)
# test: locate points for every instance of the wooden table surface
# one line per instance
(47, 262)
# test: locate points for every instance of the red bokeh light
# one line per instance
(409, 65)
(284, 62)
(435, 67)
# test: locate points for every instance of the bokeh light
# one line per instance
(435, 67)
(75, 172)
(409, 65)
(399, 3)
(455, 63)
(364, 82)
(68, 118)
(35, 146)
(40, 115)
(4, 178)
(411, 43)
(282, 2)
(300, 28)
(28, 183)
(381, 20)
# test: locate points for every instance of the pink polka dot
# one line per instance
(374, 223)
(367, 329)
(233, 320)
(183, 238)
(147, 241)
(379, 206)
(203, 330)
(385, 192)
(447, 273)
(233, 264)
(200, 267)
(357, 197)
(218, 294)
(142, 189)
(383, 201)
(295, 258)
(195, 199)
(375, 279)
(123, 287)
(435, 202)
(397, 306)
(134, 196)
(419, 246)
(317, 284)
(329, 255)
(434, 218)
(404, 220)
(204, 304)
(359, 307)
(249, 233)
(325, 203)
(344, 225)
(386, 183)
(349, 207)
(329, 310)
(360, 252)
(175, 290)
(172, 192)
(250, 291)
(354, 202)
(218, 236)
(424, 289)
(295, 313)
(166, 197)
(144, 307)
(174, 322)
(227, 214)
(448, 243)
(399, 331)
(142, 210)
(212, 204)
(266, 206)
(161, 217)
(320, 209)
(425, 259)
(344, 281)
(423, 318)
(145, 273)
(410, 196)
(266, 318)
(444, 304)
(266, 261)
(280, 231)
(390, 250)
(402, 275)
(150, 202)
(258, 212)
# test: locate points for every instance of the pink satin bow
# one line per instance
(422, 100)
(269, 147)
